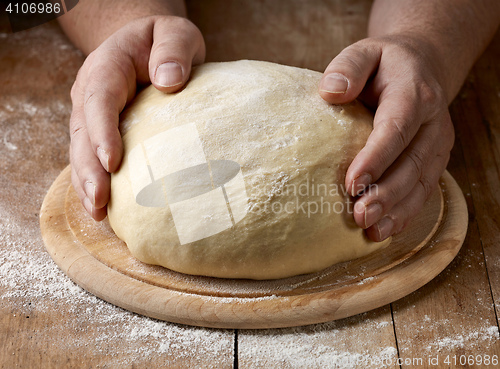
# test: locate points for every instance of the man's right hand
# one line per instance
(157, 49)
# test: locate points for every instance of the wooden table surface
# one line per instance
(47, 321)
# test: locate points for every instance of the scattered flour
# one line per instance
(328, 345)
(8, 144)
(32, 285)
(470, 341)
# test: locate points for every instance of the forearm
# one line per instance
(455, 32)
(93, 21)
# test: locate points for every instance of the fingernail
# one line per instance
(88, 206)
(385, 226)
(90, 192)
(360, 183)
(168, 74)
(334, 83)
(103, 158)
(372, 214)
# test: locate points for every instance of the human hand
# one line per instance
(156, 49)
(412, 136)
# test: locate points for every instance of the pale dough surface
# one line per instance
(293, 149)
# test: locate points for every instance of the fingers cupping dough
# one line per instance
(396, 122)
(90, 180)
(400, 215)
(177, 45)
(399, 179)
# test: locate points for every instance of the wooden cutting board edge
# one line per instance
(251, 313)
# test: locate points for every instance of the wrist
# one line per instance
(455, 32)
(92, 22)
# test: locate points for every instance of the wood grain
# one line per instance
(65, 328)
(478, 132)
(306, 34)
(92, 256)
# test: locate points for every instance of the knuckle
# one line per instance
(427, 186)
(190, 27)
(386, 196)
(76, 126)
(364, 46)
(183, 28)
(97, 99)
(417, 160)
(398, 129)
(379, 158)
(391, 195)
(348, 63)
(89, 98)
(430, 94)
(184, 23)
(75, 131)
(351, 60)
(101, 87)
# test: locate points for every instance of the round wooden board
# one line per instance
(94, 258)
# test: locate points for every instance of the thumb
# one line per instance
(347, 74)
(177, 45)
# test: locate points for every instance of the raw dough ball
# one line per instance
(239, 175)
